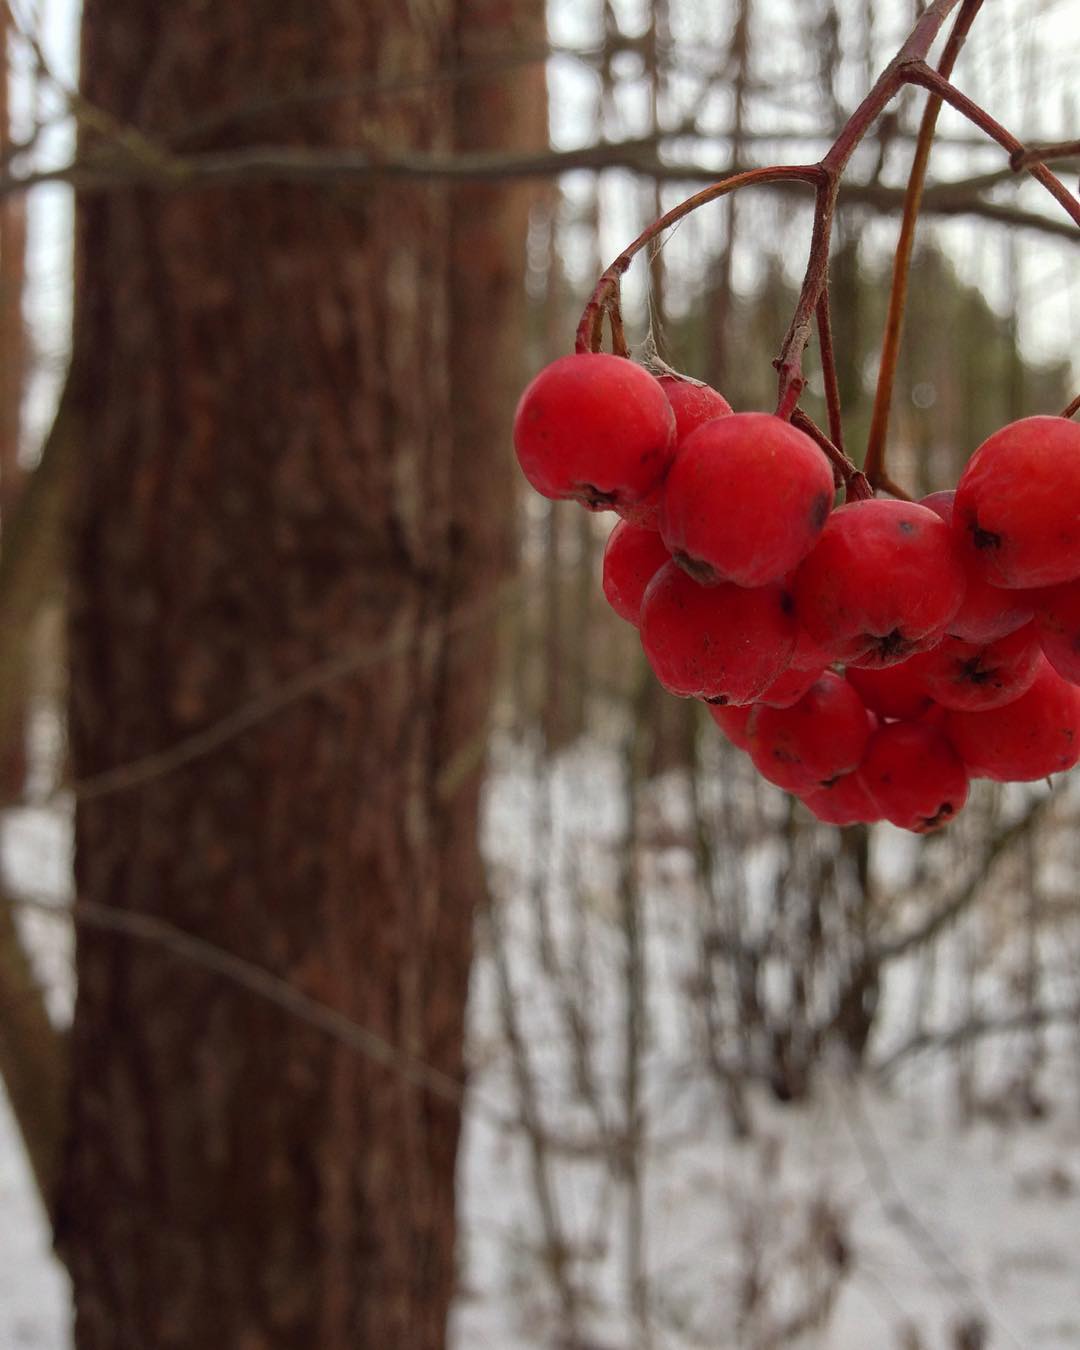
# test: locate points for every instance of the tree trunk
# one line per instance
(280, 465)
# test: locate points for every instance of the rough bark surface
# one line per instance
(265, 383)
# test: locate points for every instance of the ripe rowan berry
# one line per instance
(693, 404)
(844, 801)
(1057, 616)
(881, 583)
(967, 675)
(1017, 508)
(893, 691)
(987, 612)
(596, 428)
(1034, 736)
(820, 738)
(723, 642)
(914, 776)
(732, 718)
(745, 499)
(632, 557)
(789, 687)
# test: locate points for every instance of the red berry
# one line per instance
(632, 557)
(914, 776)
(881, 583)
(893, 691)
(818, 739)
(1057, 616)
(844, 801)
(788, 688)
(724, 642)
(965, 675)
(987, 612)
(808, 654)
(732, 718)
(693, 404)
(1017, 508)
(745, 499)
(596, 428)
(1036, 735)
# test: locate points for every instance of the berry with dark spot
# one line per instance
(881, 583)
(745, 499)
(914, 776)
(844, 801)
(595, 428)
(1017, 508)
(973, 676)
(987, 612)
(1034, 736)
(820, 738)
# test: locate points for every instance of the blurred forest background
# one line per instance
(384, 958)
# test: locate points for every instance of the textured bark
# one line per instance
(14, 367)
(280, 461)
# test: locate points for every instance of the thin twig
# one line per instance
(874, 463)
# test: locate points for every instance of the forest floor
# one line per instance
(869, 1216)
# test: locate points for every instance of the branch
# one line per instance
(974, 1029)
(998, 845)
(111, 172)
(33, 1059)
(264, 984)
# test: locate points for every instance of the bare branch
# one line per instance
(951, 910)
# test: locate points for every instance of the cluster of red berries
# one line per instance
(871, 658)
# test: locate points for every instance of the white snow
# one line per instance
(937, 1221)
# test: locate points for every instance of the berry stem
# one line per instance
(845, 473)
(1073, 408)
(888, 84)
(825, 177)
(605, 292)
(886, 484)
(1034, 153)
(828, 370)
(874, 462)
(918, 72)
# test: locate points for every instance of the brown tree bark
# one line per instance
(289, 448)
(14, 366)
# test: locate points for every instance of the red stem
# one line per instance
(828, 371)
(605, 293)
(845, 473)
(920, 73)
(874, 460)
(1073, 408)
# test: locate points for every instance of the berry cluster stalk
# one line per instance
(908, 67)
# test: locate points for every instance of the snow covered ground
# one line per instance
(868, 1217)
